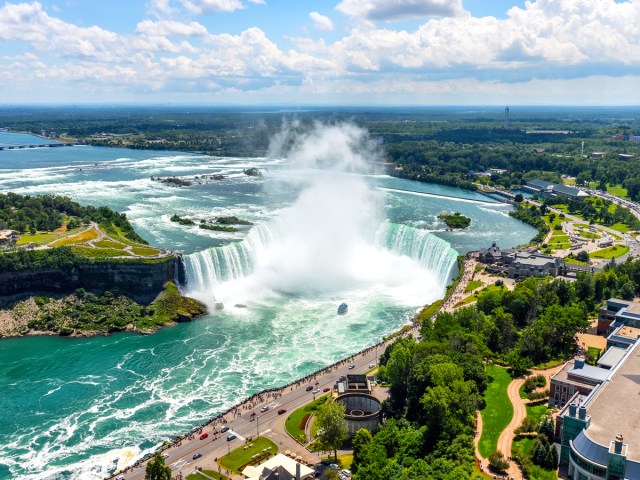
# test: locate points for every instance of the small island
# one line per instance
(455, 220)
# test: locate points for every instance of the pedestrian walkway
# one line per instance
(505, 440)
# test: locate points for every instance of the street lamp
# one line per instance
(257, 426)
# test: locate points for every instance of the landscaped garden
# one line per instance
(257, 450)
(297, 421)
(613, 251)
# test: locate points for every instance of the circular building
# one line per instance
(361, 411)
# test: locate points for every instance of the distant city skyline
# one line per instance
(311, 52)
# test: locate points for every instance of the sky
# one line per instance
(321, 52)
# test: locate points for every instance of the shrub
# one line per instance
(498, 462)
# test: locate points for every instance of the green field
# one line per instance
(617, 190)
(108, 244)
(498, 410)
(145, 251)
(99, 252)
(472, 285)
(614, 251)
(240, 457)
(620, 227)
(38, 238)
(295, 418)
(573, 261)
(589, 235)
(210, 473)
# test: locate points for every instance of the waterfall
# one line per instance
(208, 268)
(433, 253)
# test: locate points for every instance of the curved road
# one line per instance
(269, 423)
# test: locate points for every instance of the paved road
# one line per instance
(269, 423)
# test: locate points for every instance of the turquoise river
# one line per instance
(328, 227)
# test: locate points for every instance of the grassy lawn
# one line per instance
(589, 235)
(555, 239)
(557, 233)
(620, 227)
(467, 300)
(498, 410)
(573, 261)
(617, 190)
(240, 457)
(100, 252)
(145, 251)
(109, 244)
(89, 234)
(211, 473)
(38, 238)
(614, 251)
(537, 411)
(295, 418)
(472, 285)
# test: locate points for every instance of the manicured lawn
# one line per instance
(345, 461)
(472, 285)
(295, 418)
(537, 411)
(145, 251)
(557, 233)
(240, 457)
(211, 473)
(100, 252)
(498, 409)
(89, 234)
(467, 300)
(589, 235)
(38, 238)
(559, 239)
(573, 261)
(614, 251)
(620, 227)
(617, 190)
(109, 244)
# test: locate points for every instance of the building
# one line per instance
(354, 383)
(575, 377)
(597, 154)
(634, 138)
(607, 314)
(361, 411)
(551, 190)
(8, 236)
(600, 431)
(519, 264)
(279, 467)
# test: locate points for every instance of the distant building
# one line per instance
(625, 156)
(8, 236)
(539, 150)
(549, 189)
(597, 154)
(634, 138)
(600, 431)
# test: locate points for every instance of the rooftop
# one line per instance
(633, 308)
(615, 407)
(533, 259)
(611, 357)
(627, 332)
(543, 184)
(273, 463)
(589, 372)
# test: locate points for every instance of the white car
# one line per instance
(264, 409)
(316, 390)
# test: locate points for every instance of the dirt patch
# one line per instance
(16, 315)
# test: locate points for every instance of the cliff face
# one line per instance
(135, 277)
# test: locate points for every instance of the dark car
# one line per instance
(197, 455)
(231, 437)
(224, 429)
(203, 436)
(281, 411)
(309, 388)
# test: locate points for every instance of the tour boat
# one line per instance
(342, 309)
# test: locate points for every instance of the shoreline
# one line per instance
(408, 329)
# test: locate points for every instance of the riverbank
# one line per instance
(85, 314)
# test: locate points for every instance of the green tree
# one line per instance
(156, 469)
(361, 440)
(332, 426)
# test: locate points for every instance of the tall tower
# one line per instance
(505, 124)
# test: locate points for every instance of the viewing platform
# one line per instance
(42, 145)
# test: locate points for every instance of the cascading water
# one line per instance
(207, 270)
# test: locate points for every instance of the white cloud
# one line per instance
(160, 8)
(321, 22)
(207, 6)
(392, 10)
(165, 28)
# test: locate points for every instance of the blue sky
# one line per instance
(408, 52)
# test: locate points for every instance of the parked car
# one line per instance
(316, 390)
(264, 409)
(197, 455)
(309, 388)
(281, 411)
(326, 389)
(231, 437)
(352, 366)
(224, 429)
(203, 436)
(334, 466)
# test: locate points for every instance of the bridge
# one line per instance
(42, 145)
